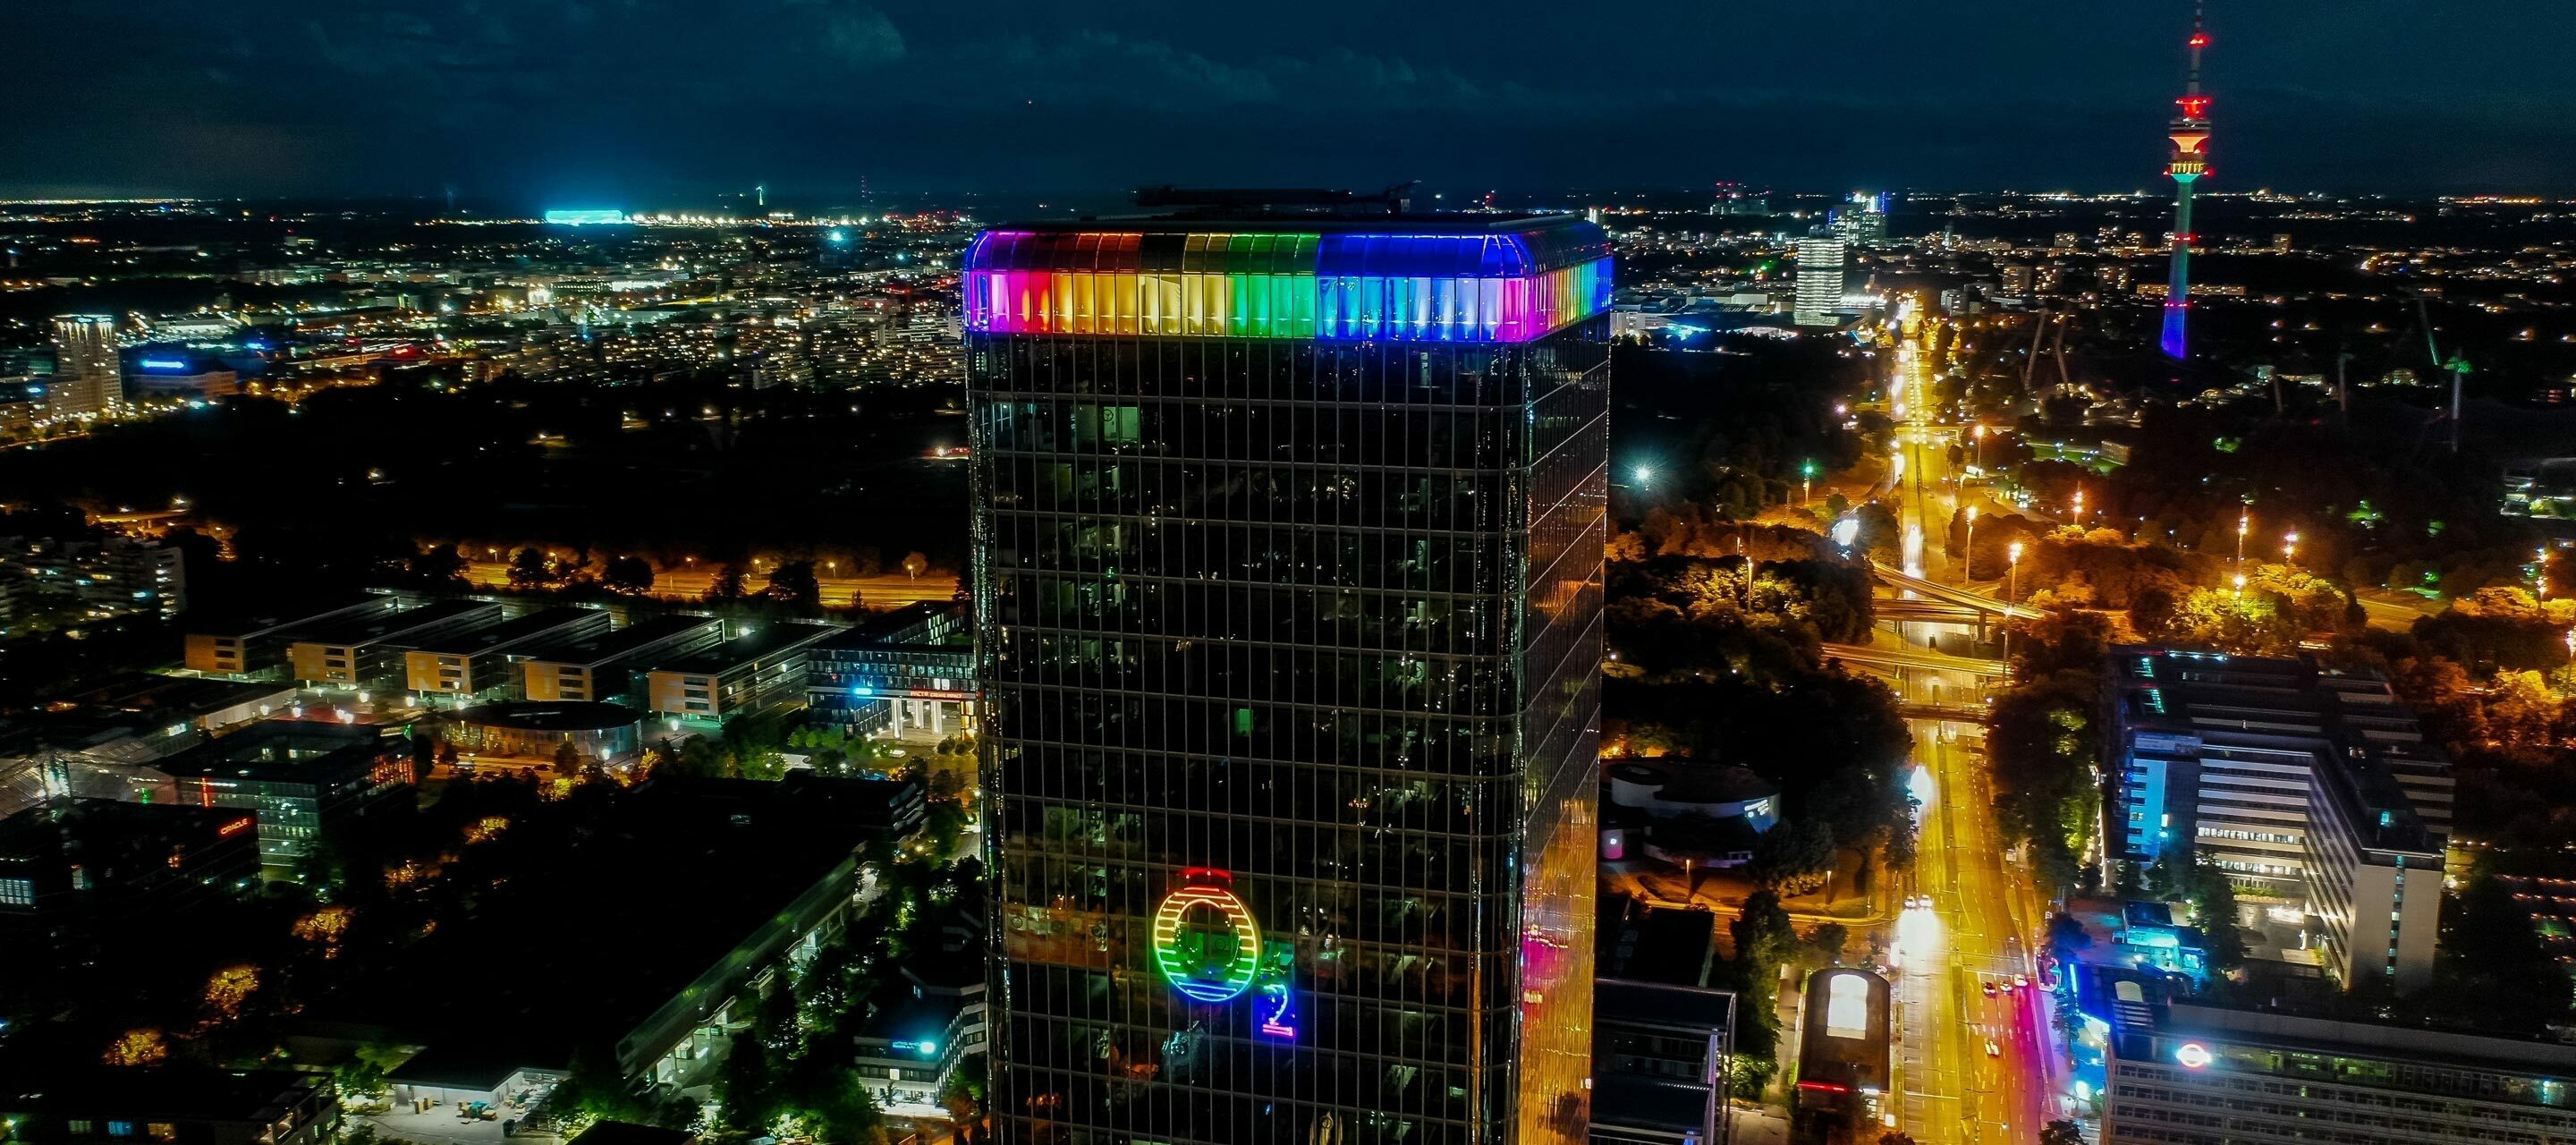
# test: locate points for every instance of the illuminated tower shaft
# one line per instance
(2190, 135)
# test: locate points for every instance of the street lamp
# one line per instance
(2290, 549)
(2240, 585)
(2244, 521)
(2079, 507)
(2012, 583)
(2543, 576)
(1807, 479)
(1981, 446)
(1968, 553)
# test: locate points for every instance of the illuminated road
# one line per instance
(1976, 931)
(885, 591)
(1982, 912)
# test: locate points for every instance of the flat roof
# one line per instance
(551, 715)
(167, 1093)
(277, 749)
(600, 648)
(533, 626)
(766, 640)
(260, 620)
(178, 697)
(370, 629)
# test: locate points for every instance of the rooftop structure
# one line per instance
(1408, 278)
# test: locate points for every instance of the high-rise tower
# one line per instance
(2190, 135)
(1287, 538)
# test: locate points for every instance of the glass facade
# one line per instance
(1290, 651)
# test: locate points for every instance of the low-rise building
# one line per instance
(480, 663)
(368, 652)
(911, 668)
(2180, 1073)
(303, 779)
(603, 666)
(77, 858)
(253, 642)
(757, 671)
(1660, 1063)
(68, 1104)
(769, 872)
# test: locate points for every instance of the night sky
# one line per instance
(645, 102)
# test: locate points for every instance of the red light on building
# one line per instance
(2194, 106)
(233, 828)
(2200, 39)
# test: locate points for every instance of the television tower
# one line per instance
(2190, 135)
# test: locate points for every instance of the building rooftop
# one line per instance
(1404, 277)
(534, 626)
(279, 750)
(600, 648)
(551, 715)
(370, 629)
(261, 620)
(165, 1094)
(766, 640)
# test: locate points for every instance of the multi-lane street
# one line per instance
(1974, 1067)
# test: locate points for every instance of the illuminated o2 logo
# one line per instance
(1205, 941)
(2192, 1055)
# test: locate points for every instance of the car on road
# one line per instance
(2021, 981)
(1993, 1050)
(1989, 986)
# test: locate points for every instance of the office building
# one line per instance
(2178, 1073)
(85, 857)
(479, 663)
(303, 780)
(368, 652)
(761, 669)
(253, 642)
(1660, 1063)
(87, 381)
(2312, 788)
(912, 668)
(1862, 220)
(1287, 572)
(63, 1103)
(1820, 281)
(607, 667)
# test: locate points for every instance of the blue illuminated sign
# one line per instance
(163, 364)
(576, 218)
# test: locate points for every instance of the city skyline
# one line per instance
(813, 98)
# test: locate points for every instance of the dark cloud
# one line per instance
(645, 98)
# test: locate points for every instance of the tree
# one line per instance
(725, 587)
(630, 575)
(915, 564)
(794, 584)
(2061, 1132)
(1824, 945)
(438, 564)
(529, 569)
(567, 760)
